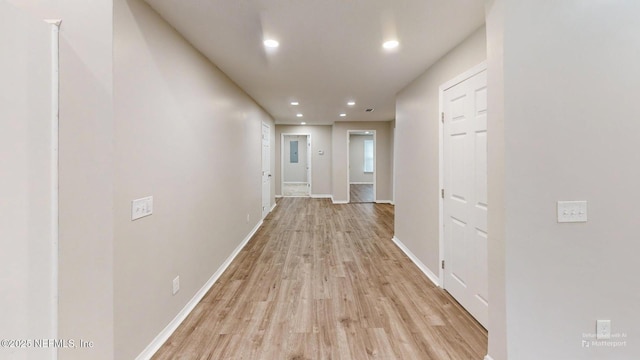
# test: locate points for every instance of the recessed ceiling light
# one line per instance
(270, 43)
(299, 115)
(303, 123)
(295, 103)
(343, 115)
(351, 103)
(391, 44)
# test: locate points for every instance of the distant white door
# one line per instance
(266, 170)
(465, 199)
(308, 165)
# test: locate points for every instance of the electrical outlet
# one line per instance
(176, 285)
(141, 207)
(603, 329)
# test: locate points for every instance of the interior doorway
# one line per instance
(296, 165)
(361, 166)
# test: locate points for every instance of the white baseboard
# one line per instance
(321, 196)
(162, 337)
(273, 207)
(294, 182)
(488, 357)
(434, 279)
(384, 202)
(278, 196)
(360, 183)
(339, 201)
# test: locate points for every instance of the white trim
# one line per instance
(487, 357)
(384, 202)
(278, 196)
(55, 121)
(273, 207)
(425, 270)
(321, 196)
(447, 85)
(338, 202)
(164, 335)
(360, 183)
(294, 182)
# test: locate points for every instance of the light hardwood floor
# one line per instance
(295, 189)
(361, 193)
(324, 281)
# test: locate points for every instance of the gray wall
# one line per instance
(86, 172)
(496, 155)
(27, 306)
(295, 172)
(356, 159)
(567, 129)
(186, 134)
(320, 164)
(417, 154)
(384, 161)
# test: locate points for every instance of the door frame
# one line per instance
(444, 87)
(267, 210)
(375, 157)
(309, 159)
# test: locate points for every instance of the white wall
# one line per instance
(320, 164)
(295, 172)
(86, 172)
(416, 150)
(384, 160)
(186, 134)
(495, 154)
(27, 287)
(356, 159)
(570, 132)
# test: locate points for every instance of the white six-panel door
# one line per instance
(465, 194)
(266, 170)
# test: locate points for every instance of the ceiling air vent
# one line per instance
(369, 110)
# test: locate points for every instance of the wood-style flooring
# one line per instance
(361, 193)
(295, 189)
(323, 281)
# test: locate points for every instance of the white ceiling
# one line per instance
(330, 50)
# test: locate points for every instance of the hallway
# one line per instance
(323, 281)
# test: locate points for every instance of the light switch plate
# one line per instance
(141, 207)
(603, 329)
(572, 211)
